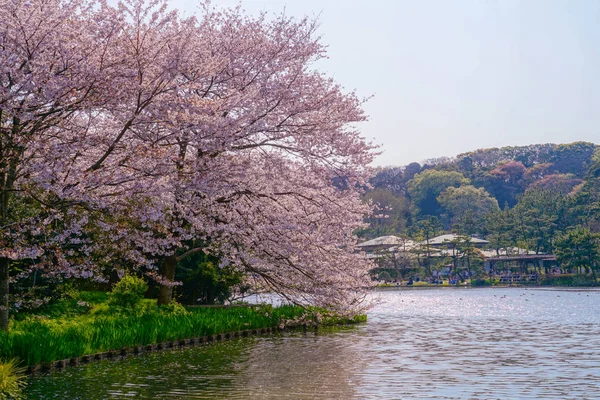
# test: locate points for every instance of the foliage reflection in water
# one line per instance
(442, 343)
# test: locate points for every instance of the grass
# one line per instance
(86, 324)
(12, 380)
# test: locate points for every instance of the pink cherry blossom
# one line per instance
(139, 136)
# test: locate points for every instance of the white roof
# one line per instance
(384, 241)
(509, 251)
(442, 239)
(408, 245)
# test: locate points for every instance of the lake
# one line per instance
(451, 343)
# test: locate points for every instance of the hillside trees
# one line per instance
(572, 158)
(468, 206)
(500, 230)
(142, 134)
(578, 249)
(539, 215)
(504, 181)
(584, 207)
(426, 186)
(393, 214)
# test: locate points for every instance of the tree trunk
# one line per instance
(469, 266)
(168, 271)
(4, 277)
(210, 297)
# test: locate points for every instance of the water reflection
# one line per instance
(434, 344)
(309, 365)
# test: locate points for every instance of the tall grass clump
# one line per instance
(12, 380)
(39, 339)
(128, 292)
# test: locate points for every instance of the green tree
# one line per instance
(425, 231)
(573, 157)
(500, 229)
(468, 206)
(468, 254)
(538, 216)
(504, 182)
(425, 188)
(393, 215)
(584, 207)
(578, 249)
(204, 281)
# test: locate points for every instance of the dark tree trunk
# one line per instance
(210, 297)
(4, 278)
(469, 266)
(113, 279)
(168, 271)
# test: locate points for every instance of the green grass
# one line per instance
(96, 327)
(12, 380)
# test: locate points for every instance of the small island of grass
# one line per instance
(85, 323)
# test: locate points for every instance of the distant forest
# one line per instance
(526, 196)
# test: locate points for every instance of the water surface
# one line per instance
(418, 344)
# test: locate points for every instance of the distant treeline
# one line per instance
(524, 196)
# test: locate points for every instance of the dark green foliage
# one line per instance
(128, 292)
(568, 280)
(423, 231)
(505, 173)
(572, 158)
(392, 216)
(425, 188)
(499, 228)
(584, 207)
(537, 218)
(468, 206)
(204, 281)
(505, 182)
(578, 249)
(594, 170)
(384, 276)
(489, 158)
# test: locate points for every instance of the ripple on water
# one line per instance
(418, 344)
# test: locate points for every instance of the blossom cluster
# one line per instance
(134, 134)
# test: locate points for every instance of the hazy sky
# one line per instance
(453, 76)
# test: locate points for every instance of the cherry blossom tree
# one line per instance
(135, 134)
(54, 65)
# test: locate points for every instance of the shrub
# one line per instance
(128, 292)
(174, 308)
(384, 276)
(204, 281)
(12, 380)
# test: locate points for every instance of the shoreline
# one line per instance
(526, 287)
(122, 353)
(56, 343)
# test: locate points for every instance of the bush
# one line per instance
(384, 276)
(480, 282)
(128, 292)
(204, 281)
(12, 380)
(174, 308)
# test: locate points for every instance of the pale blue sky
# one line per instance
(450, 76)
